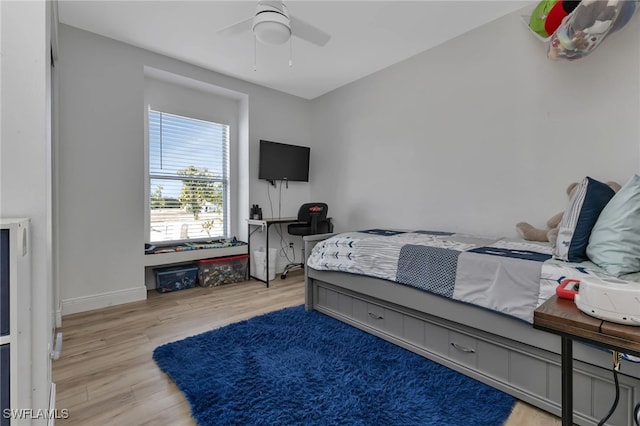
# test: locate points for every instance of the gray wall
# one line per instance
(101, 162)
(479, 133)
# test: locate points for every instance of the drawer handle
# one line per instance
(463, 348)
(375, 316)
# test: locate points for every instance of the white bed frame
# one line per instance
(499, 350)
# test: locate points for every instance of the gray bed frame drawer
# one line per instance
(529, 373)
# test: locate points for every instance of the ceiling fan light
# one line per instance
(271, 32)
(272, 26)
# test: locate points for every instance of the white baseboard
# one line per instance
(103, 300)
(58, 317)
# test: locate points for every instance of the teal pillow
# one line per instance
(614, 244)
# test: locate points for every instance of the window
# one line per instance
(188, 178)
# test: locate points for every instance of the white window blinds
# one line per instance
(188, 178)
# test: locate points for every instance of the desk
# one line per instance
(264, 224)
(562, 317)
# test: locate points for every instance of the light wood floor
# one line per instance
(106, 375)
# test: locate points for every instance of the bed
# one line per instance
(466, 302)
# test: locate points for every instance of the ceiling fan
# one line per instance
(272, 24)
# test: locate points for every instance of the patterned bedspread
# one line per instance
(498, 274)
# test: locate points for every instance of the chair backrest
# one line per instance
(312, 219)
(313, 212)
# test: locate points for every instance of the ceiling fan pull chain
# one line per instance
(254, 53)
(290, 52)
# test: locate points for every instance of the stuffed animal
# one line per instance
(531, 233)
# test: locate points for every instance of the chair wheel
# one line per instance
(283, 276)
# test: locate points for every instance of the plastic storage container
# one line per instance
(222, 270)
(176, 277)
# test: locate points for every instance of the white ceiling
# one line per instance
(366, 36)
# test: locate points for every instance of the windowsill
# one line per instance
(154, 259)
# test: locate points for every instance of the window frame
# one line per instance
(227, 184)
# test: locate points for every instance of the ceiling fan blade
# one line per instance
(237, 28)
(308, 32)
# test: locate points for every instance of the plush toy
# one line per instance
(531, 233)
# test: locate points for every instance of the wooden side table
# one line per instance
(562, 317)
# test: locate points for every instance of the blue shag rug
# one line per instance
(296, 367)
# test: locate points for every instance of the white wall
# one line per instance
(101, 162)
(477, 134)
(25, 164)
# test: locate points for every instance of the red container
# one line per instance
(222, 270)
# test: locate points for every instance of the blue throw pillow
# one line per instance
(615, 240)
(586, 204)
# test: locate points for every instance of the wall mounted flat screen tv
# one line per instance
(280, 161)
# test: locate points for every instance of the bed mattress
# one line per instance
(502, 275)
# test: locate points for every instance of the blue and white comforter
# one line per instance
(498, 274)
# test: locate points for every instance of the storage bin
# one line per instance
(222, 270)
(260, 264)
(176, 277)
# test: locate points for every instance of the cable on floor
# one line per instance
(616, 367)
